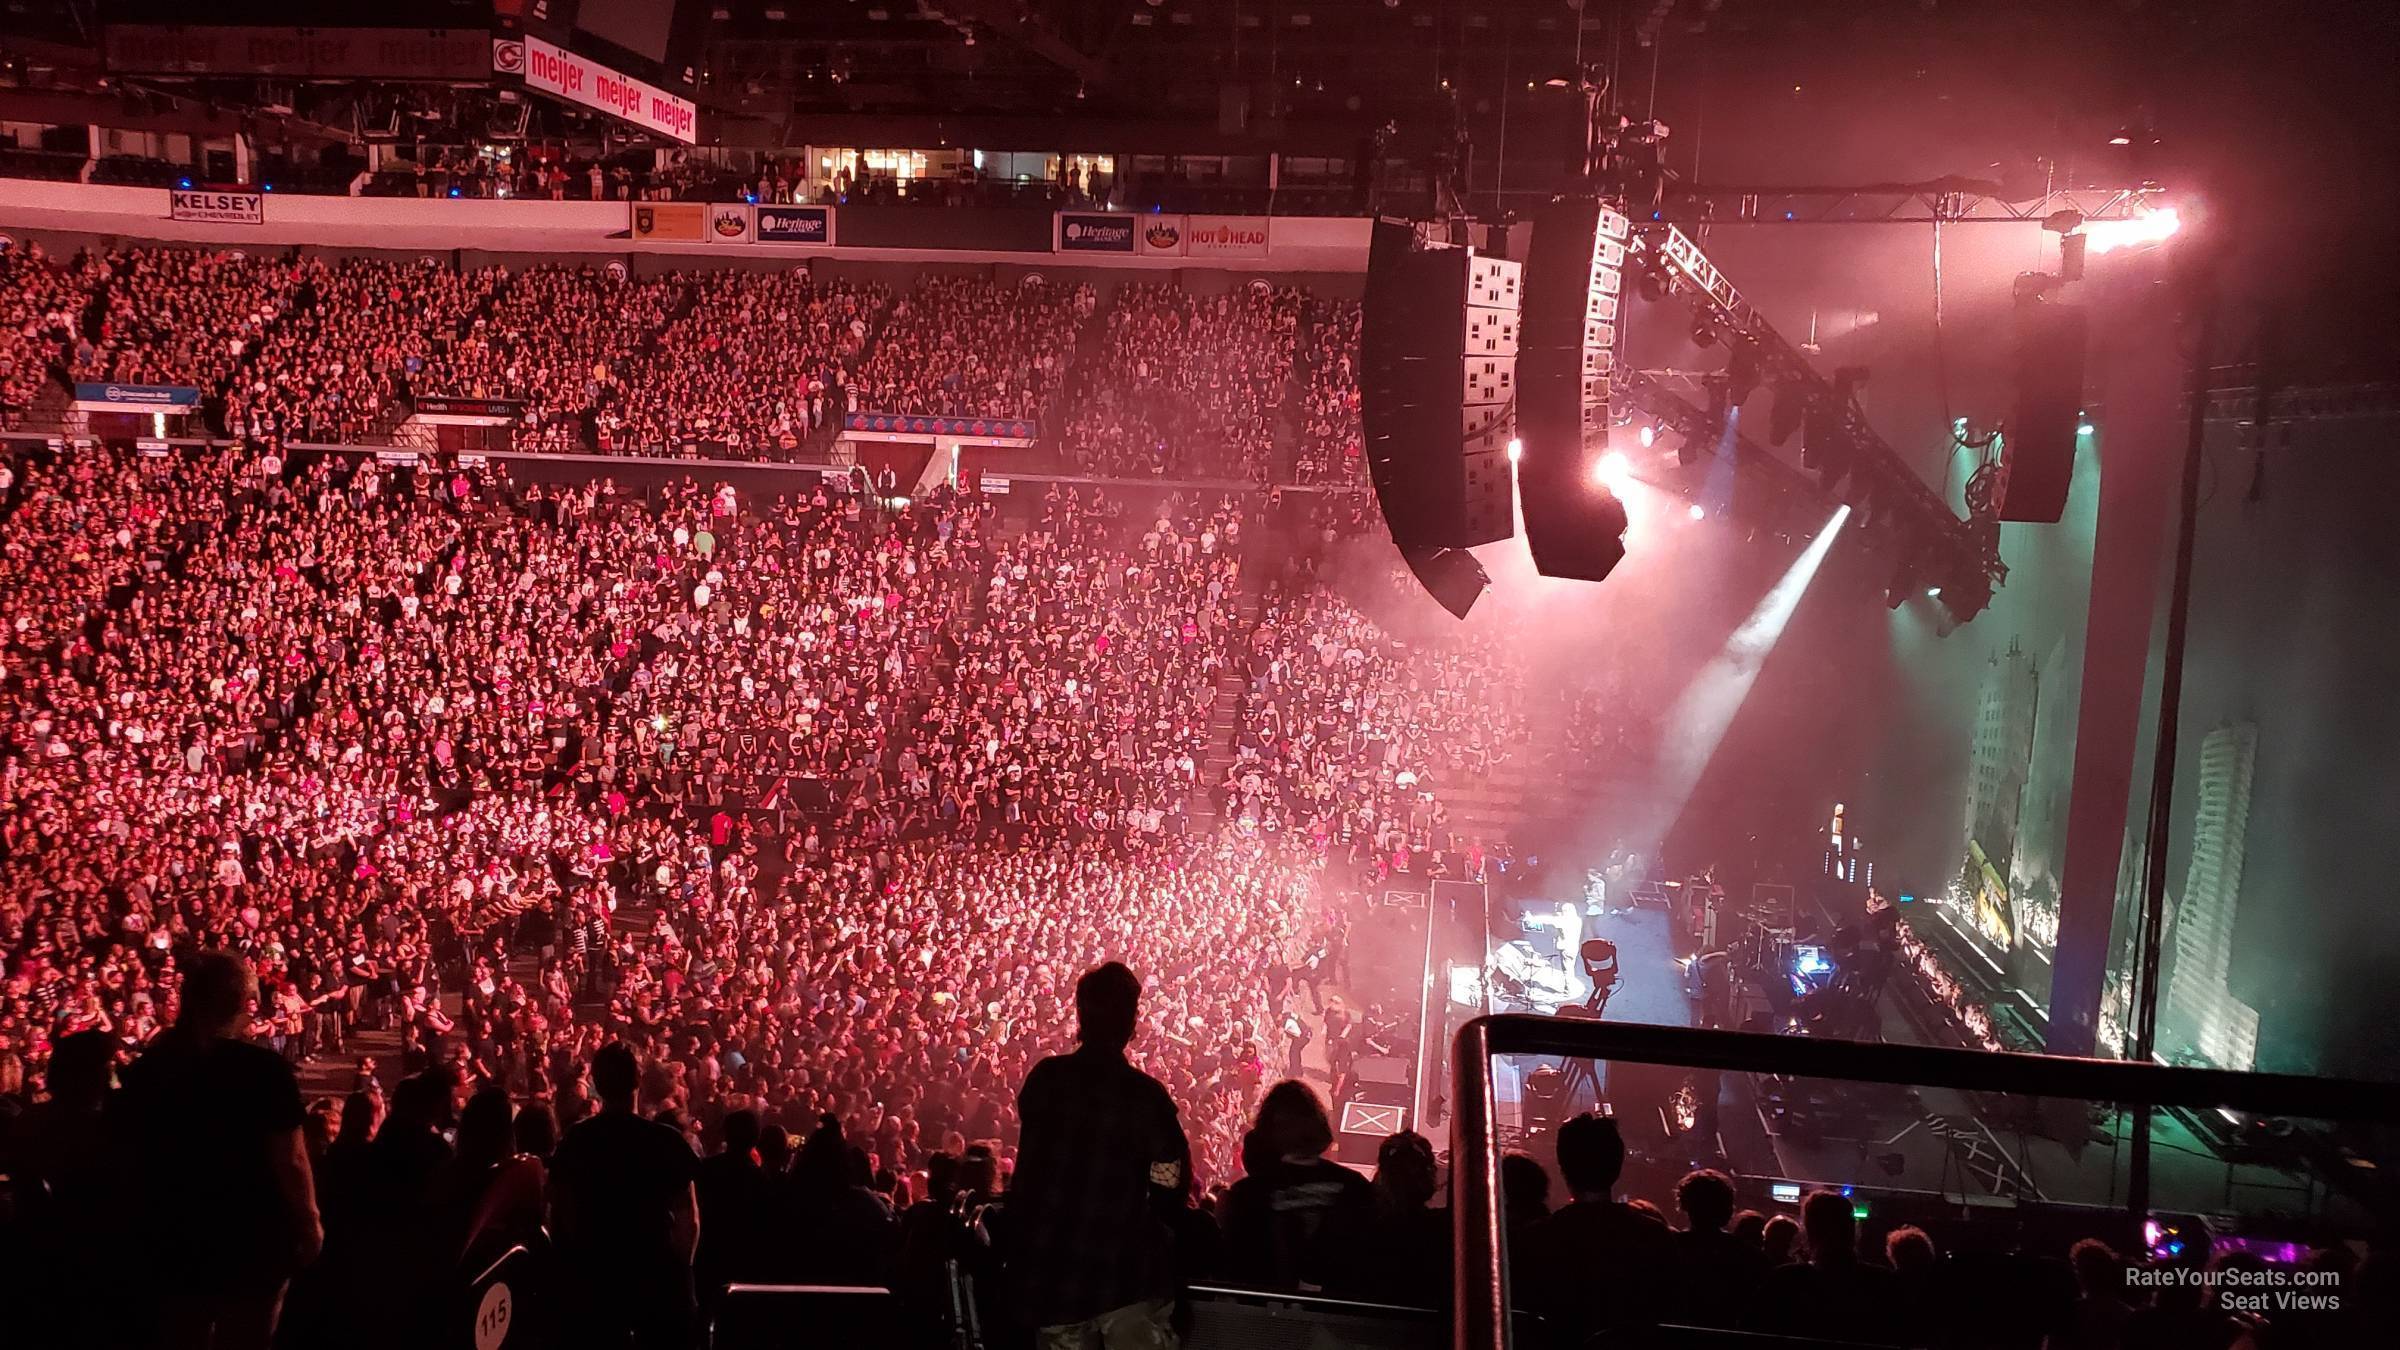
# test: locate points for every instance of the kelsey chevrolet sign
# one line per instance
(216, 208)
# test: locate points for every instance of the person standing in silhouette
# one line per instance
(1101, 1166)
(626, 1218)
(213, 1124)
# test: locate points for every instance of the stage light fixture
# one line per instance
(1648, 436)
(1699, 512)
(2138, 231)
(1612, 470)
(1516, 450)
(1704, 334)
(1785, 414)
(1742, 372)
(1905, 582)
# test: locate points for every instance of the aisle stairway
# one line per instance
(1491, 807)
(1225, 721)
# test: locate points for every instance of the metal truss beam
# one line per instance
(1971, 203)
(1873, 468)
(1664, 395)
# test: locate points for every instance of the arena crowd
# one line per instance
(1256, 384)
(732, 881)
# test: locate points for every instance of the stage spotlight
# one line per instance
(2139, 231)
(1699, 512)
(1516, 450)
(1704, 334)
(1907, 580)
(1742, 372)
(1612, 471)
(2084, 427)
(1691, 732)
(1648, 436)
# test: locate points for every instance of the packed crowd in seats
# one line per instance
(706, 364)
(41, 308)
(420, 743)
(561, 338)
(341, 357)
(172, 316)
(1187, 385)
(966, 347)
(754, 367)
(1331, 451)
(1347, 731)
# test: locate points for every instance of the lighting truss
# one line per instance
(1957, 203)
(1664, 396)
(1870, 464)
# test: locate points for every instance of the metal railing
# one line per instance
(1478, 1248)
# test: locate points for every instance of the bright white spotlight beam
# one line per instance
(1697, 724)
(2150, 227)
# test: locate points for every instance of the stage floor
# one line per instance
(1650, 978)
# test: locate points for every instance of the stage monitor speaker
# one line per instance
(1438, 390)
(1567, 367)
(2039, 452)
(1380, 1069)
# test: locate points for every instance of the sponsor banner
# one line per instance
(450, 54)
(795, 225)
(469, 461)
(912, 426)
(579, 79)
(445, 411)
(151, 449)
(1160, 236)
(395, 456)
(508, 56)
(729, 223)
(217, 208)
(1096, 232)
(993, 485)
(1225, 237)
(670, 220)
(172, 398)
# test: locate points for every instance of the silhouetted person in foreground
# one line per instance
(625, 1218)
(1291, 1196)
(1398, 1250)
(1833, 1295)
(1596, 1262)
(1524, 1193)
(839, 1229)
(733, 1207)
(57, 1166)
(213, 1124)
(1717, 1271)
(1101, 1165)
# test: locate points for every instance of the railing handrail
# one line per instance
(1478, 1243)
